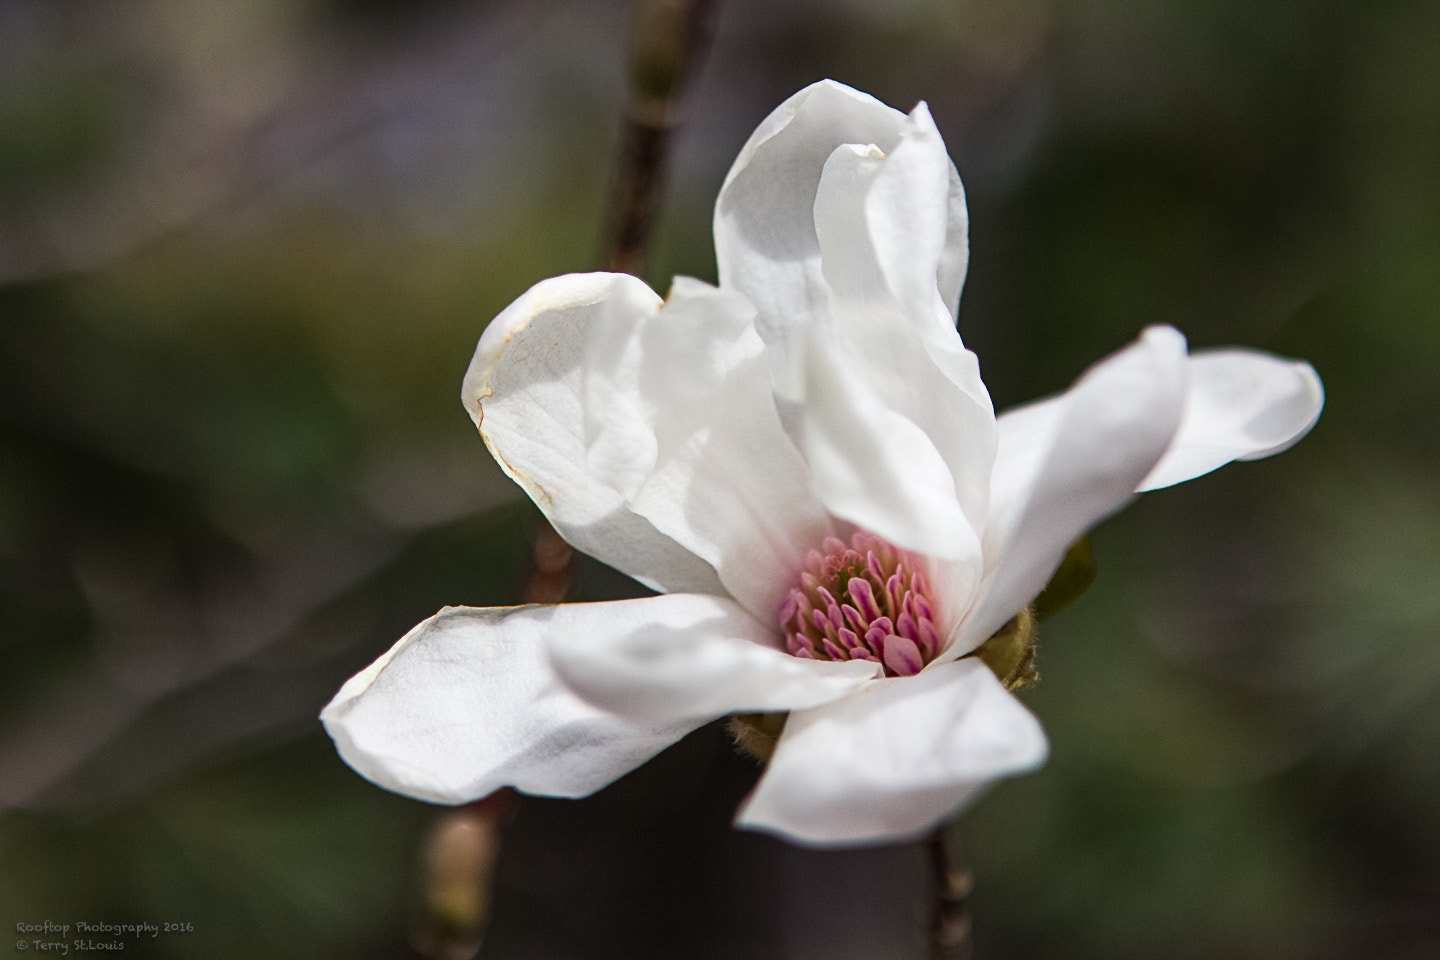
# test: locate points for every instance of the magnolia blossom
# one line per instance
(805, 464)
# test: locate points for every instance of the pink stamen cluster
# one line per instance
(865, 601)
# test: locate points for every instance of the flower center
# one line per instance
(869, 600)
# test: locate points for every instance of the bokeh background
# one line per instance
(247, 246)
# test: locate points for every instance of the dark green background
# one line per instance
(246, 249)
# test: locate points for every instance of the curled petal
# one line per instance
(882, 227)
(1241, 405)
(525, 391)
(773, 217)
(843, 221)
(685, 659)
(467, 703)
(765, 241)
(895, 759)
(887, 220)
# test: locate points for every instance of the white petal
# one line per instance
(722, 478)
(955, 257)
(467, 703)
(885, 222)
(1242, 405)
(846, 217)
(524, 389)
(686, 659)
(873, 466)
(882, 223)
(765, 240)
(894, 760)
(1067, 463)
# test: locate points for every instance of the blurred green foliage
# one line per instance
(240, 287)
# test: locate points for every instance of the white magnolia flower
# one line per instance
(806, 465)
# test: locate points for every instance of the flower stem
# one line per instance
(668, 44)
(669, 41)
(949, 909)
(457, 876)
(552, 559)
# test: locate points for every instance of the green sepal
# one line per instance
(1072, 578)
(1010, 653)
(757, 733)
